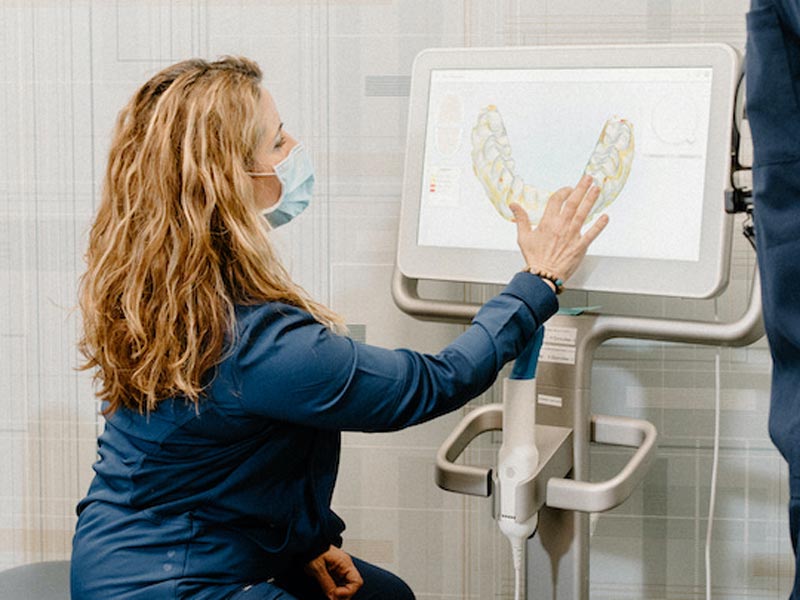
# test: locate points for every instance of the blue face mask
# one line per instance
(296, 175)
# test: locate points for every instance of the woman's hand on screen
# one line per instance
(556, 246)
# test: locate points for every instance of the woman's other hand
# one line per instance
(336, 574)
(556, 245)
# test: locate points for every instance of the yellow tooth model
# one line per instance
(609, 165)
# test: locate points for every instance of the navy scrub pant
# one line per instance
(773, 109)
(296, 585)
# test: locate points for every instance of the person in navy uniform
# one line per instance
(772, 64)
(225, 387)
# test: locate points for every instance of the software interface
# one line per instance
(495, 137)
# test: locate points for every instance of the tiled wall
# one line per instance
(339, 70)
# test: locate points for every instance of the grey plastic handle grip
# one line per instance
(600, 496)
(466, 479)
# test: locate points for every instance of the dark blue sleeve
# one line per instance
(293, 369)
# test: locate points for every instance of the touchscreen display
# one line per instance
(499, 136)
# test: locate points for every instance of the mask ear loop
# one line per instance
(297, 148)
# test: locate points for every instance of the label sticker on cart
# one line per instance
(550, 400)
(558, 354)
(560, 335)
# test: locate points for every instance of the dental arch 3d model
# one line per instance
(494, 166)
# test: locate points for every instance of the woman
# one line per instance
(224, 386)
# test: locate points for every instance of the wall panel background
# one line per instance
(339, 70)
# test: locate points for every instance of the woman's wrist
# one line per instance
(556, 283)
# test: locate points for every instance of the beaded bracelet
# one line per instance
(556, 281)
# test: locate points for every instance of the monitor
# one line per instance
(650, 123)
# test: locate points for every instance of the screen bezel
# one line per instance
(704, 278)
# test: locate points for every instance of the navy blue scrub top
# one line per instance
(773, 109)
(198, 501)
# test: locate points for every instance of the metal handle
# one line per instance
(406, 297)
(745, 330)
(465, 479)
(560, 492)
(604, 495)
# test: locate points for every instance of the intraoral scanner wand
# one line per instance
(519, 456)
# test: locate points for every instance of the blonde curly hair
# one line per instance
(177, 241)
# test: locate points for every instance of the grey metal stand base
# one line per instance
(557, 564)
